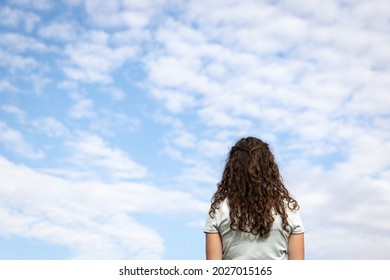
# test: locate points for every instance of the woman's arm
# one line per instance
(296, 247)
(213, 246)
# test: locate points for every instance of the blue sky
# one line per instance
(116, 117)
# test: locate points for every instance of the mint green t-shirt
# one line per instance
(246, 246)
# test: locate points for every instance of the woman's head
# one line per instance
(252, 156)
(253, 186)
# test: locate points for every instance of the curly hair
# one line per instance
(254, 188)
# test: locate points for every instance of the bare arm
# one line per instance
(213, 246)
(296, 247)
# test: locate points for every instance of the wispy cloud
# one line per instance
(20, 43)
(15, 63)
(93, 60)
(93, 219)
(51, 127)
(14, 17)
(6, 86)
(17, 112)
(83, 108)
(34, 4)
(61, 31)
(120, 13)
(14, 141)
(90, 151)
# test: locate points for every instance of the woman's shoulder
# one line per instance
(224, 206)
(222, 210)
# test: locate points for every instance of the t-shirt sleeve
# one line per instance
(295, 221)
(212, 225)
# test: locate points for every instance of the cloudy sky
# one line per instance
(116, 118)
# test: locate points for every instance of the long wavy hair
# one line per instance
(254, 188)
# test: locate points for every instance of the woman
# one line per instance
(252, 215)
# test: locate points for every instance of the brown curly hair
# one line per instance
(254, 188)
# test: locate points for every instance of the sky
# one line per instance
(116, 118)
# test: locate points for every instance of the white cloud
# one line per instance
(83, 108)
(92, 219)
(183, 139)
(365, 154)
(90, 151)
(125, 37)
(215, 117)
(73, 2)
(19, 43)
(5, 85)
(14, 141)
(15, 63)
(19, 113)
(109, 123)
(175, 101)
(9, 17)
(62, 31)
(51, 127)
(121, 13)
(198, 173)
(315, 73)
(13, 17)
(115, 93)
(176, 72)
(93, 60)
(347, 205)
(35, 4)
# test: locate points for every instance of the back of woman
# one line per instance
(252, 215)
